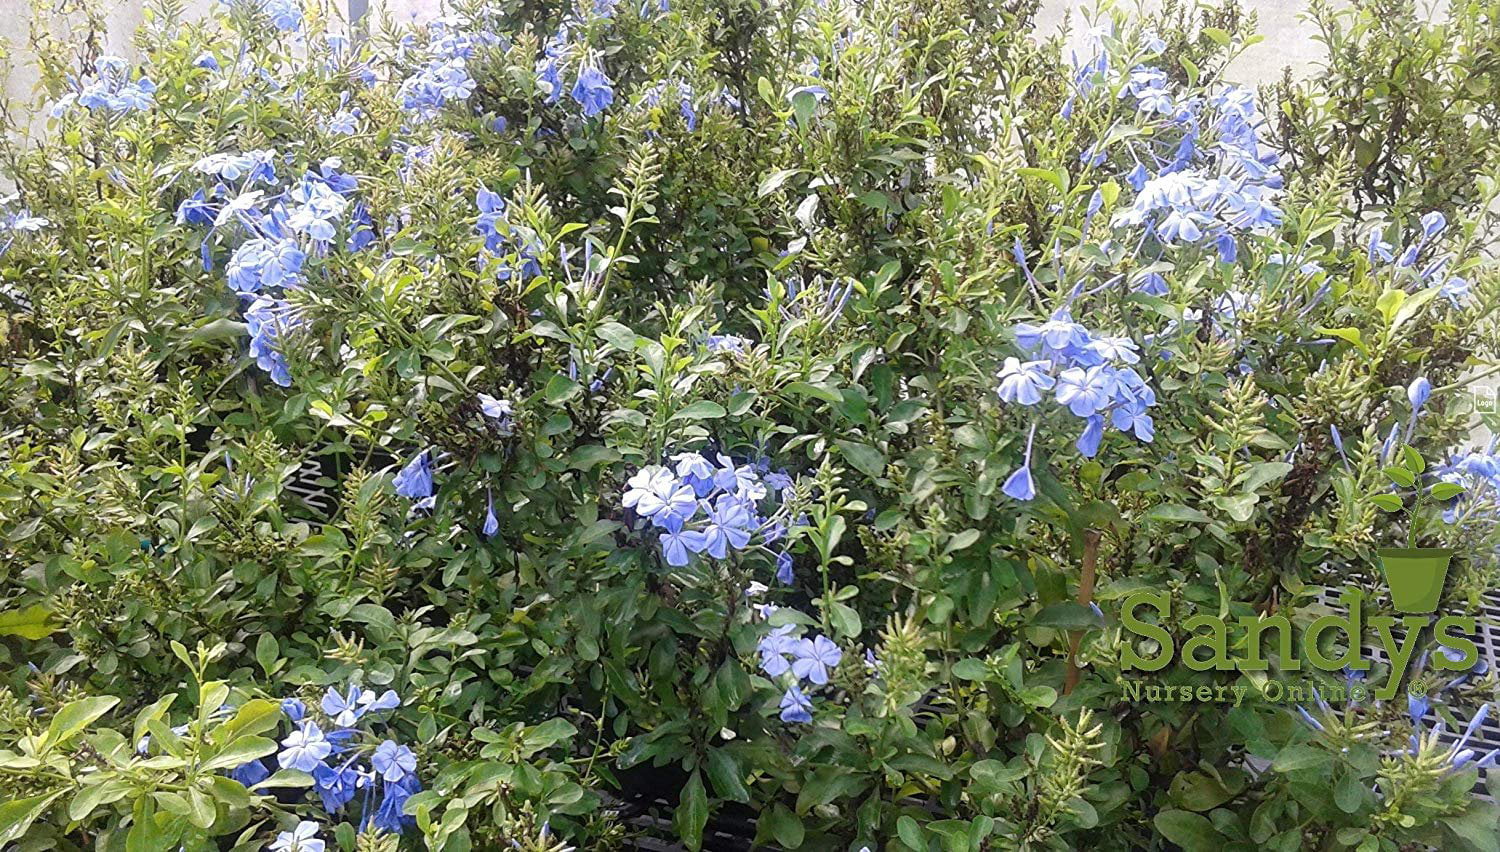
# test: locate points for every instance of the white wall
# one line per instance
(1289, 39)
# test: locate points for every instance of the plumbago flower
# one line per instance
(1202, 174)
(16, 222)
(353, 771)
(504, 240)
(711, 507)
(1086, 375)
(110, 90)
(1421, 262)
(303, 838)
(277, 234)
(796, 663)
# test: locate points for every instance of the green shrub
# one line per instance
(768, 406)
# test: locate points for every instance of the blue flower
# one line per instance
(1093, 434)
(592, 91)
(728, 526)
(347, 709)
(263, 262)
(499, 410)
(491, 523)
(1433, 224)
(268, 320)
(696, 471)
(415, 480)
(293, 708)
(393, 761)
(676, 545)
(389, 816)
(1059, 338)
(1418, 392)
(1417, 707)
(1024, 383)
(1019, 485)
(1084, 391)
(812, 659)
(795, 706)
(250, 773)
(195, 210)
(337, 786)
(206, 61)
(784, 573)
(303, 838)
(304, 748)
(774, 648)
(657, 495)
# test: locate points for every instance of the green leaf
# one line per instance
(1401, 476)
(725, 774)
(1349, 793)
(1388, 502)
(910, 833)
(1295, 757)
(1058, 180)
(590, 456)
(77, 715)
(815, 391)
(774, 181)
(865, 458)
(1265, 473)
(1446, 490)
(1412, 460)
(617, 335)
(266, 652)
(560, 389)
(692, 812)
(703, 409)
(241, 751)
(1351, 335)
(1177, 512)
(785, 827)
(1191, 831)
(33, 622)
(17, 815)
(1067, 616)
(1199, 792)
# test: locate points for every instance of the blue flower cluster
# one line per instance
(1430, 267)
(302, 838)
(797, 662)
(17, 221)
(110, 90)
(444, 77)
(1201, 172)
(285, 15)
(1478, 471)
(503, 239)
(278, 233)
(711, 507)
(344, 760)
(1088, 375)
(592, 89)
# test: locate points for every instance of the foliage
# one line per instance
(759, 404)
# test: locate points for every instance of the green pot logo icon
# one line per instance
(1415, 575)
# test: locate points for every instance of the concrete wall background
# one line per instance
(1288, 38)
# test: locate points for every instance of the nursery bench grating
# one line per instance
(1486, 636)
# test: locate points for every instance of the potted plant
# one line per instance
(1415, 574)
